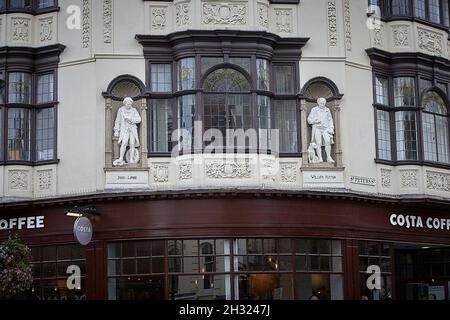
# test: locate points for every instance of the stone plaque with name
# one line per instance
(367, 181)
(319, 179)
(126, 179)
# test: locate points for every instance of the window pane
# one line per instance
(434, 11)
(45, 3)
(404, 92)
(285, 114)
(162, 125)
(186, 111)
(45, 134)
(429, 137)
(263, 74)
(19, 88)
(284, 79)
(264, 122)
(406, 132)
(384, 135)
(209, 62)
(319, 287)
(419, 9)
(19, 134)
(136, 288)
(2, 88)
(212, 287)
(424, 84)
(20, 3)
(446, 13)
(226, 80)
(265, 287)
(242, 62)
(381, 88)
(161, 75)
(442, 139)
(186, 74)
(45, 88)
(399, 7)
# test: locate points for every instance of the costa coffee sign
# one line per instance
(419, 222)
(22, 223)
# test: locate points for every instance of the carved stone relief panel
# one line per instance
(332, 23)
(107, 21)
(182, 14)
(160, 172)
(430, 41)
(408, 179)
(228, 170)
(86, 24)
(401, 37)
(263, 15)
(347, 25)
(283, 20)
(46, 30)
(18, 180)
(289, 172)
(44, 181)
(438, 181)
(159, 17)
(224, 13)
(20, 30)
(185, 171)
(386, 181)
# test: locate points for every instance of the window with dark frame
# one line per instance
(435, 12)
(209, 269)
(224, 107)
(28, 117)
(399, 113)
(31, 6)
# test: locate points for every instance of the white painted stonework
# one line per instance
(104, 47)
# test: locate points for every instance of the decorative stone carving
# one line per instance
(107, 21)
(125, 128)
(268, 169)
(332, 23)
(263, 15)
(283, 20)
(438, 181)
(159, 18)
(386, 178)
(408, 179)
(429, 41)
(45, 180)
(378, 36)
(20, 29)
(228, 170)
(182, 17)
(161, 172)
(46, 29)
(86, 27)
(18, 180)
(401, 36)
(348, 28)
(224, 13)
(322, 130)
(288, 172)
(185, 171)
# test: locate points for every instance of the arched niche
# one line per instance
(312, 90)
(120, 88)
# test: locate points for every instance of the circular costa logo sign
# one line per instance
(82, 230)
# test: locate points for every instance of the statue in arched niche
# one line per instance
(125, 128)
(322, 130)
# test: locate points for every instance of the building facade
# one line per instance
(227, 177)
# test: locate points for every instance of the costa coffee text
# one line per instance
(410, 221)
(22, 223)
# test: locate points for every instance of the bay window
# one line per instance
(227, 98)
(410, 129)
(432, 11)
(30, 6)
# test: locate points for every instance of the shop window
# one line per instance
(378, 254)
(50, 265)
(29, 6)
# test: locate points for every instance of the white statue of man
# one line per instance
(322, 129)
(125, 129)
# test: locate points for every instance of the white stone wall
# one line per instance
(104, 47)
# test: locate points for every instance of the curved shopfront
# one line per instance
(238, 245)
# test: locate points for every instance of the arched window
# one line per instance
(435, 128)
(226, 103)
